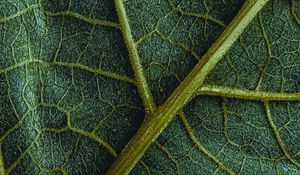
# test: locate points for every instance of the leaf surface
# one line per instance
(242, 120)
(78, 78)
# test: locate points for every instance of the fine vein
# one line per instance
(157, 121)
(247, 94)
(200, 146)
(84, 18)
(97, 139)
(70, 65)
(96, 71)
(22, 155)
(19, 13)
(278, 137)
(205, 17)
(134, 57)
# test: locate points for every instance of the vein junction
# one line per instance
(145, 93)
(200, 146)
(158, 120)
(41, 132)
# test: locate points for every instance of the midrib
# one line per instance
(155, 122)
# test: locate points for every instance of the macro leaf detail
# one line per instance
(79, 79)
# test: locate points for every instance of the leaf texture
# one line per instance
(237, 123)
(79, 77)
(69, 103)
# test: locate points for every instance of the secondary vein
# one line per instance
(247, 94)
(71, 65)
(134, 58)
(157, 121)
(96, 71)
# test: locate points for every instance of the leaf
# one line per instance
(78, 77)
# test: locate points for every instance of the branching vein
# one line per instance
(97, 139)
(268, 45)
(167, 152)
(173, 43)
(10, 68)
(157, 121)
(201, 147)
(278, 137)
(193, 14)
(23, 154)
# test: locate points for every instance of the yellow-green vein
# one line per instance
(92, 136)
(205, 17)
(201, 147)
(145, 167)
(268, 45)
(84, 18)
(19, 13)
(277, 136)
(225, 123)
(23, 154)
(134, 57)
(96, 71)
(20, 64)
(97, 139)
(71, 65)
(246, 94)
(168, 153)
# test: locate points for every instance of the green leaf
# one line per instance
(79, 77)
(242, 120)
(69, 102)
